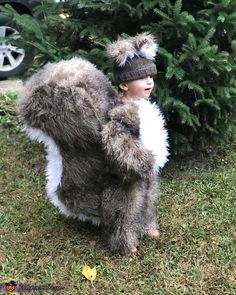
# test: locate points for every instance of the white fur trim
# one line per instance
(152, 132)
(93, 220)
(54, 170)
(126, 55)
(148, 51)
(145, 51)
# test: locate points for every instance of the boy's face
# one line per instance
(137, 89)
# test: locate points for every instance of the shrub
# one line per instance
(7, 110)
(195, 85)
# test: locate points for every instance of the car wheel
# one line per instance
(12, 59)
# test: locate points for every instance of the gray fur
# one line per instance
(107, 173)
(129, 47)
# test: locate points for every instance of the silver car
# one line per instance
(13, 60)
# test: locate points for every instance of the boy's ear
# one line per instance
(123, 86)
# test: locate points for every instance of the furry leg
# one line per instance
(147, 216)
(120, 205)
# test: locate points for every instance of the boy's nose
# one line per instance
(149, 80)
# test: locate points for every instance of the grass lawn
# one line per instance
(195, 254)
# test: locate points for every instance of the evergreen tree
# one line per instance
(195, 85)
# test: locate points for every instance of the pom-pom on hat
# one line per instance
(132, 57)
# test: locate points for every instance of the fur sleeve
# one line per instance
(122, 145)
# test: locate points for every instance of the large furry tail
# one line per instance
(63, 98)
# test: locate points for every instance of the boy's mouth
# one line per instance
(147, 89)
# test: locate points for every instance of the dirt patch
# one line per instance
(10, 86)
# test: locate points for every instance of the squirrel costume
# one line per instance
(103, 156)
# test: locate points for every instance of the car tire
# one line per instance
(13, 60)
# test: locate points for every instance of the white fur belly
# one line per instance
(152, 132)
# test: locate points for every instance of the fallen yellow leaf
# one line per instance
(89, 273)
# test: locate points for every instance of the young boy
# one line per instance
(103, 151)
(133, 65)
(142, 123)
(137, 89)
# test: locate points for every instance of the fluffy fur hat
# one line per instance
(132, 57)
